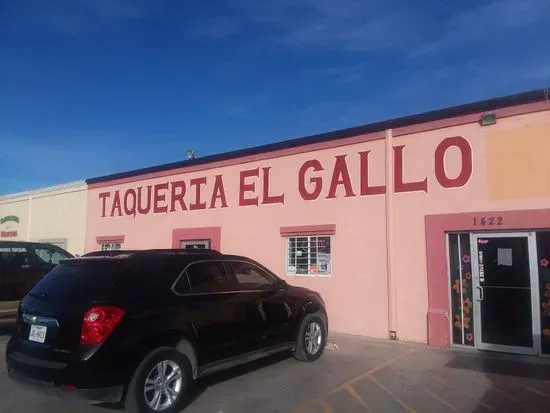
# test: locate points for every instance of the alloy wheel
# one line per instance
(163, 385)
(313, 338)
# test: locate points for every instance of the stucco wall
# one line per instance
(356, 293)
(490, 154)
(55, 214)
(255, 230)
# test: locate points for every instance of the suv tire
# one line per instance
(312, 338)
(164, 371)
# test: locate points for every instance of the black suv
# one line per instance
(22, 264)
(141, 326)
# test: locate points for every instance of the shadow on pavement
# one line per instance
(513, 368)
(501, 382)
(201, 385)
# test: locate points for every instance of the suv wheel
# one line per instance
(160, 383)
(311, 338)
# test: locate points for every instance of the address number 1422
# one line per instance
(487, 221)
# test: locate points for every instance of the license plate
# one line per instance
(38, 333)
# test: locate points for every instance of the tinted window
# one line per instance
(13, 257)
(155, 278)
(249, 277)
(49, 255)
(182, 286)
(208, 277)
(76, 281)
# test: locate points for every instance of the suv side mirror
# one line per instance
(281, 285)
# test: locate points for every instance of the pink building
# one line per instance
(430, 228)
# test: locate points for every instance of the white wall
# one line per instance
(56, 214)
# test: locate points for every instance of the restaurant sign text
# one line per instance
(315, 180)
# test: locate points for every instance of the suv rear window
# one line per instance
(75, 281)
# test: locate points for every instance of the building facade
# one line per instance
(56, 215)
(430, 228)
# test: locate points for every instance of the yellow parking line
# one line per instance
(439, 399)
(402, 403)
(348, 383)
(481, 403)
(326, 407)
(374, 370)
(536, 391)
(504, 393)
(354, 394)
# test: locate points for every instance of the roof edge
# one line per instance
(487, 105)
(45, 190)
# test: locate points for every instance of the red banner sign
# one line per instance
(8, 234)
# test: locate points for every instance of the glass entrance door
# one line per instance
(506, 283)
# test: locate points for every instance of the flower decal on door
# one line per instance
(543, 258)
(461, 289)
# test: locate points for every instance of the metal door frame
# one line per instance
(535, 299)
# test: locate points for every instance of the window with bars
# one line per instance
(111, 246)
(309, 255)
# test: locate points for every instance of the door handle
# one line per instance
(480, 293)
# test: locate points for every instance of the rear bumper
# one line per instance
(111, 394)
(79, 380)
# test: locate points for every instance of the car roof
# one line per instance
(161, 256)
(154, 252)
(19, 242)
(152, 255)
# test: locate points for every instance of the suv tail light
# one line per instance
(98, 323)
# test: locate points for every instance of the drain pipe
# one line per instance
(29, 218)
(392, 322)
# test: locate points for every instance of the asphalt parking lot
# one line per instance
(360, 375)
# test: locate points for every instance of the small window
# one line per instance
(49, 255)
(309, 255)
(195, 244)
(111, 246)
(249, 277)
(208, 277)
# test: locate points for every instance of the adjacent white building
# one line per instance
(55, 214)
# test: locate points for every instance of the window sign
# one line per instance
(309, 255)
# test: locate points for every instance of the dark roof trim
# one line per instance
(481, 106)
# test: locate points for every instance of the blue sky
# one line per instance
(94, 87)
